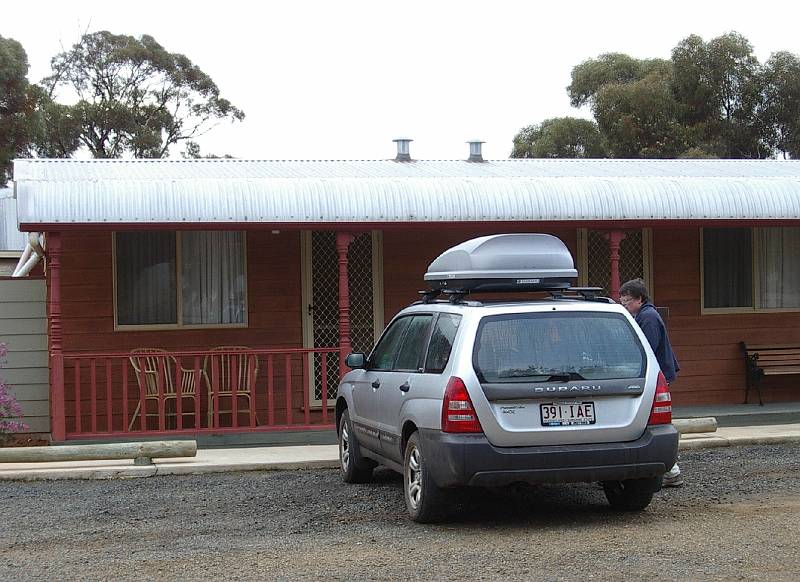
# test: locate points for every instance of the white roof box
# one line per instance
(504, 262)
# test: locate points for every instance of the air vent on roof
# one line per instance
(475, 154)
(403, 154)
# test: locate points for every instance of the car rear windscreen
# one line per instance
(563, 346)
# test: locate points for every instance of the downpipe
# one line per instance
(31, 256)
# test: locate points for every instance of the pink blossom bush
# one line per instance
(10, 409)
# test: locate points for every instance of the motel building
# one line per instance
(220, 296)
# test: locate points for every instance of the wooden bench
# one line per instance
(769, 360)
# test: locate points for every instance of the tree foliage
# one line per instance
(191, 151)
(18, 98)
(609, 69)
(782, 101)
(559, 137)
(639, 119)
(710, 99)
(133, 98)
(113, 95)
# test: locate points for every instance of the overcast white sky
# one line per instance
(341, 79)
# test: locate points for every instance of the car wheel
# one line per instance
(355, 468)
(424, 500)
(632, 494)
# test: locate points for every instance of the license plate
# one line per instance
(567, 414)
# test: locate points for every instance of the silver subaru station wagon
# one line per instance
(458, 392)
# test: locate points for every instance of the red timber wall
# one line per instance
(707, 346)
(712, 368)
(274, 309)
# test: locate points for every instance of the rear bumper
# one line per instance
(457, 459)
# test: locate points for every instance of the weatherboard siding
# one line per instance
(23, 328)
(707, 345)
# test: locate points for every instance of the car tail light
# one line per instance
(661, 412)
(458, 415)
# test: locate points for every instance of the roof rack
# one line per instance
(582, 293)
(585, 293)
(431, 295)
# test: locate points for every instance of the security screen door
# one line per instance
(321, 301)
(594, 261)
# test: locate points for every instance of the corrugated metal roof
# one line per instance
(242, 191)
(11, 239)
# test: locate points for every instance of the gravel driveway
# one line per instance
(738, 517)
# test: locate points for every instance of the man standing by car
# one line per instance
(635, 298)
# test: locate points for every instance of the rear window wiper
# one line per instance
(515, 376)
(565, 377)
(519, 373)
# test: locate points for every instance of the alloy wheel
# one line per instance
(414, 471)
(344, 446)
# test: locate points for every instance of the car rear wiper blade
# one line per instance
(518, 375)
(565, 377)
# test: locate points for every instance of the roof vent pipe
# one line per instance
(475, 154)
(402, 149)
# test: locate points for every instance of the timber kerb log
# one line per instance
(142, 453)
(695, 425)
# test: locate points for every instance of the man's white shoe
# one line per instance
(673, 477)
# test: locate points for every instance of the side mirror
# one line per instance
(356, 361)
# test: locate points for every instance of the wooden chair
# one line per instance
(232, 369)
(154, 366)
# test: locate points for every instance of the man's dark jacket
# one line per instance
(656, 332)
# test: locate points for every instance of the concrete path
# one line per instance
(727, 436)
(317, 456)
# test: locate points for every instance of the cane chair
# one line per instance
(232, 369)
(154, 366)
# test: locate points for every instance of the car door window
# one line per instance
(385, 353)
(416, 339)
(441, 343)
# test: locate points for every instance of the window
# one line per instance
(385, 352)
(778, 263)
(180, 279)
(533, 347)
(414, 343)
(146, 278)
(751, 269)
(441, 343)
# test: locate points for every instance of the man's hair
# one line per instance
(635, 288)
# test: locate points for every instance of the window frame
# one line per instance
(179, 294)
(755, 282)
(610, 315)
(371, 358)
(434, 325)
(426, 342)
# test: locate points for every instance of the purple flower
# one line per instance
(10, 410)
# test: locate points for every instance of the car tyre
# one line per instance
(631, 494)
(355, 468)
(424, 499)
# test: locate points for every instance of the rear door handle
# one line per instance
(404, 387)
(376, 384)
